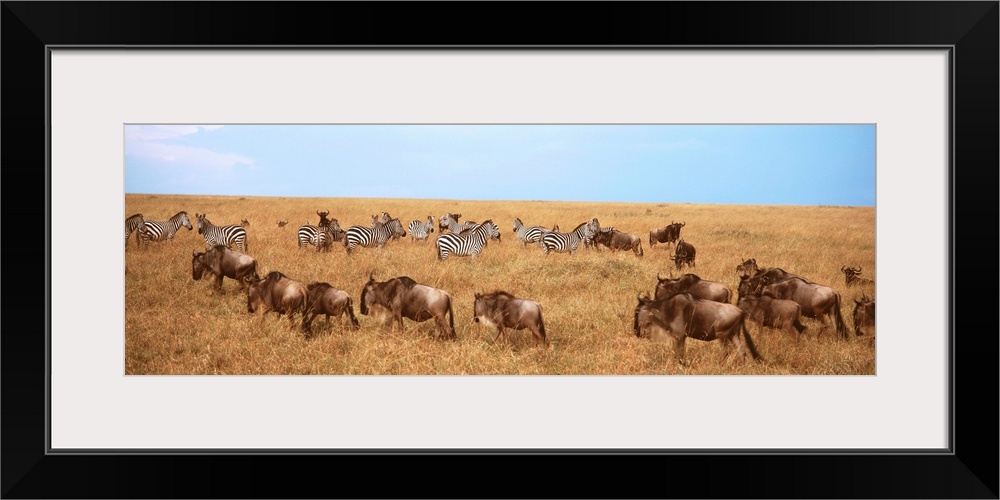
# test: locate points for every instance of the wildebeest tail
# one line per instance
(841, 325)
(451, 320)
(753, 349)
(350, 312)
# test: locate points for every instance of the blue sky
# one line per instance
(744, 164)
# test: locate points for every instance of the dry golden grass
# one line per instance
(174, 325)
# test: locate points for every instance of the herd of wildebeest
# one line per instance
(682, 307)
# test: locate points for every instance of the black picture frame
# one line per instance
(969, 28)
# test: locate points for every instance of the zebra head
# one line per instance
(202, 222)
(182, 220)
(386, 217)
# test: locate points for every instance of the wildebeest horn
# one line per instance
(856, 269)
(843, 268)
(658, 278)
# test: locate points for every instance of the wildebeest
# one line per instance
(748, 267)
(773, 313)
(691, 283)
(666, 234)
(221, 261)
(329, 301)
(617, 240)
(501, 310)
(683, 315)
(817, 301)
(683, 254)
(279, 293)
(244, 223)
(852, 277)
(864, 315)
(404, 297)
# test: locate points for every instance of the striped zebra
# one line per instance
(395, 227)
(310, 235)
(470, 243)
(528, 234)
(163, 231)
(232, 234)
(567, 242)
(594, 228)
(450, 222)
(421, 230)
(375, 236)
(327, 235)
(131, 224)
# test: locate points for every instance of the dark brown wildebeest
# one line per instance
(683, 254)
(748, 267)
(667, 234)
(501, 310)
(617, 240)
(691, 283)
(817, 301)
(773, 313)
(403, 297)
(329, 301)
(852, 277)
(683, 315)
(221, 261)
(279, 293)
(864, 315)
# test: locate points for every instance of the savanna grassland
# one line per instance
(175, 325)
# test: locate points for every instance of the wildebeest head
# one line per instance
(281, 223)
(864, 314)
(748, 267)
(197, 265)
(244, 223)
(684, 253)
(323, 221)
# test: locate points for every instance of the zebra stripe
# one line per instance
(375, 236)
(470, 243)
(232, 234)
(421, 230)
(131, 224)
(395, 228)
(163, 231)
(567, 242)
(309, 234)
(528, 234)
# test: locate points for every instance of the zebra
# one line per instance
(421, 230)
(163, 231)
(222, 235)
(450, 222)
(395, 227)
(528, 234)
(470, 243)
(594, 227)
(327, 235)
(375, 236)
(309, 234)
(131, 224)
(567, 242)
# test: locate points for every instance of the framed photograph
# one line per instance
(917, 93)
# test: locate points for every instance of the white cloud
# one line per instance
(153, 143)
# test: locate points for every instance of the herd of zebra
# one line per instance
(147, 230)
(466, 238)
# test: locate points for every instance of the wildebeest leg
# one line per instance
(679, 348)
